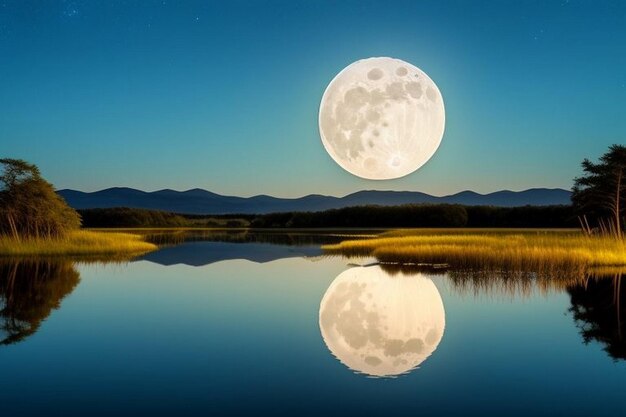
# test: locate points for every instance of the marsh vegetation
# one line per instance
(35, 220)
(77, 243)
(514, 249)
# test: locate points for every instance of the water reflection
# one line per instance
(596, 297)
(197, 248)
(304, 238)
(512, 283)
(199, 253)
(380, 324)
(29, 291)
(597, 308)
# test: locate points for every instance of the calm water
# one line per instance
(268, 327)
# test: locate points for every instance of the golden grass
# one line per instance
(529, 249)
(77, 243)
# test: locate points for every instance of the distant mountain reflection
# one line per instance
(29, 291)
(379, 320)
(198, 253)
(197, 248)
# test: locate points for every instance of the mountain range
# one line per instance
(198, 201)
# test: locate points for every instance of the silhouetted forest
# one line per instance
(130, 217)
(424, 215)
(599, 195)
(410, 215)
(133, 217)
(597, 308)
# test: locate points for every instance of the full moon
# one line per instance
(381, 325)
(381, 118)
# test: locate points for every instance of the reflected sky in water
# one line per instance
(236, 337)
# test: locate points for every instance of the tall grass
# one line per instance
(79, 243)
(536, 250)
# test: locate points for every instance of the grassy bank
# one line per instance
(529, 249)
(79, 243)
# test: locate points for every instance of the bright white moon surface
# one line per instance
(381, 325)
(381, 118)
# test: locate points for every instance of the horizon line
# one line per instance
(318, 194)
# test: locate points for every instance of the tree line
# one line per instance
(30, 208)
(423, 215)
(135, 217)
(409, 215)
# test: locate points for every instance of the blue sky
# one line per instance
(225, 95)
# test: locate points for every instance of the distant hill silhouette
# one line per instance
(198, 201)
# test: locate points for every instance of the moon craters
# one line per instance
(431, 94)
(381, 325)
(395, 91)
(401, 71)
(376, 109)
(356, 97)
(375, 74)
(414, 89)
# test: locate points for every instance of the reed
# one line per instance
(77, 243)
(539, 250)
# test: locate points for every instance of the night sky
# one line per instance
(224, 95)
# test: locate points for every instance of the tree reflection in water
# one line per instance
(29, 291)
(597, 308)
(597, 298)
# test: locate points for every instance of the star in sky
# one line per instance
(70, 10)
